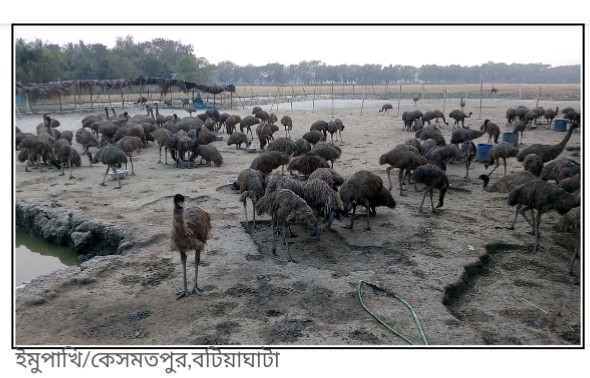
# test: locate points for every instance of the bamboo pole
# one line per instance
(292, 98)
(122, 99)
(91, 103)
(60, 106)
(399, 100)
(444, 99)
(538, 96)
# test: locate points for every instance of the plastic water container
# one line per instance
(483, 152)
(511, 138)
(560, 125)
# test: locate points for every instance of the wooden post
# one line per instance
(292, 98)
(231, 100)
(332, 97)
(122, 99)
(480, 98)
(444, 99)
(399, 99)
(363, 103)
(313, 100)
(60, 107)
(91, 103)
(538, 96)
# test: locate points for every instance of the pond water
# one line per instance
(34, 257)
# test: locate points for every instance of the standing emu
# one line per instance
(251, 184)
(459, 116)
(416, 98)
(288, 123)
(385, 108)
(65, 153)
(113, 157)
(570, 222)
(128, 145)
(434, 178)
(191, 227)
(492, 129)
(287, 208)
(547, 152)
(501, 151)
(361, 188)
(542, 197)
(404, 159)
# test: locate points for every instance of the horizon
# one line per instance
(497, 46)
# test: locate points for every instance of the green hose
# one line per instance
(360, 290)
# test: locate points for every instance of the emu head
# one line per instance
(178, 201)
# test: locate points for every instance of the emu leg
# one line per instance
(184, 292)
(368, 226)
(70, 164)
(401, 182)
(351, 218)
(432, 203)
(523, 213)
(492, 171)
(537, 223)
(130, 161)
(575, 255)
(246, 215)
(61, 168)
(105, 176)
(198, 250)
(89, 157)
(285, 226)
(422, 203)
(388, 170)
(253, 216)
(467, 164)
(274, 238)
(118, 181)
(160, 159)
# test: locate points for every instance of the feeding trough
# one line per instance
(118, 174)
(252, 148)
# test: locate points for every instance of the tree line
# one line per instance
(39, 62)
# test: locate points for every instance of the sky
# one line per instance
(349, 44)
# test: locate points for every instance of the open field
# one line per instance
(470, 280)
(247, 95)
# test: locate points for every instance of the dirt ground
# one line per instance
(469, 280)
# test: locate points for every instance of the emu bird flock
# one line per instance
(308, 189)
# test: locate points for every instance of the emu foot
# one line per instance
(367, 228)
(182, 294)
(197, 290)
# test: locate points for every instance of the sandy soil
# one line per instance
(511, 295)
